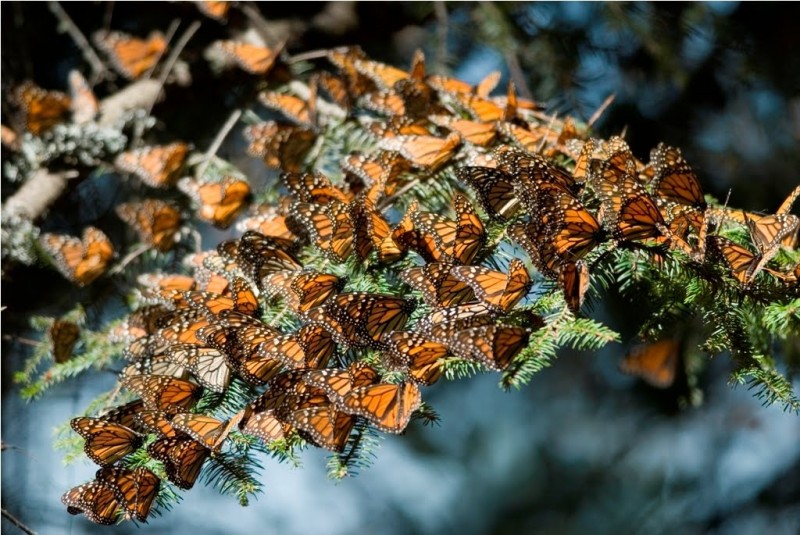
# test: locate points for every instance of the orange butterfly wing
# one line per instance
(656, 363)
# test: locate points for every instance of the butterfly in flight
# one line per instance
(130, 56)
(252, 58)
(158, 166)
(656, 363)
(80, 261)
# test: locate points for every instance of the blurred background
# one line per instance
(582, 449)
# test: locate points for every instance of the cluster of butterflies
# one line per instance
(198, 333)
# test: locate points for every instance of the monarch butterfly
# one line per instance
(408, 98)
(441, 325)
(438, 286)
(220, 202)
(242, 338)
(416, 354)
(167, 281)
(106, 442)
(178, 327)
(183, 457)
(386, 406)
(215, 10)
(139, 323)
(482, 134)
(317, 420)
(674, 180)
(63, 337)
(80, 261)
(97, 500)
(130, 56)
(206, 430)
(574, 280)
(639, 219)
(313, 188)
(479, 108)
(135, 489)
(381, 169)
(125, 415)
(383, 75)
(656, 363)
(281, 146)
(534, 239)
(444, 240)
(311, 347)
(372, 231)
(264, 255)
(155, 221)
(207, 365)
(495, 288)
(398, 126)
(338, 382)
(40, 110)
(330, 227)
(302, 290)
(156, 422)
(245, 300)
(269, 224)
(162, 392)
(344, 58)
(444, 84)
(83, 102)
(424, 152)
(494, 346)
(768, 232)
(387, 102)
(495, 190)
(533, 174)
(302, 112)
(336, 88)
(158, 166)
(251, 58)
(360, 319)
(743, 263)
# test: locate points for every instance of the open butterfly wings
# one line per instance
(80, 261)
(130, 56)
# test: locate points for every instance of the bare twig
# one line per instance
(601, 109)
(137, 95)
(17, 522)
(441, 35)
(38, 193)
(107, 16)
(258, 21)
(168, 65)
(130, 257)
(215, 145)
(21, 340)
(311, 54)
(98, 67)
